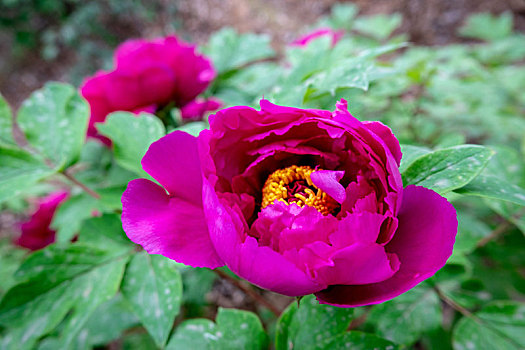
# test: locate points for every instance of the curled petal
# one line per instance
(328, 181)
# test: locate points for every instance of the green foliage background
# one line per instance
(458, 110)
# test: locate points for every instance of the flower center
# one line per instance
(294, 185)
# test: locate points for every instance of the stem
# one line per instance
(500, 229)
(80, 184)
(452, 303)
(248, 291)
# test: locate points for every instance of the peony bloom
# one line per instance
(36, 233)
(148, 75)
(197, 109)
(295, 201)
(336, 35)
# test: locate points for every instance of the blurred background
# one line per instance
(67, 40)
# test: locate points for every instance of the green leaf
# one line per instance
(193, 128)
(54, 120)
(106, 323)
(447, 169)
(10, 258)
(105, 232)
(234, 329)
(71, 214)
(131, 136)
(485, 26)
(359, 341)
(19, 170)
(6, 123)
(500, 325)
(410, 154)
(403, 319)
(53, 282)
(379, 26)
(493, 187)
(229, 50)
(350, 74)
(153, 286)
(310, 325)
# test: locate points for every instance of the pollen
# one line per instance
(294, 185)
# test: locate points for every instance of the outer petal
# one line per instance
(385, 133)
(174, 162)
(259, 265)
(423, 242)
(358, 264)
(168, 226)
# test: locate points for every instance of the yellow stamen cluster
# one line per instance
(275, 190)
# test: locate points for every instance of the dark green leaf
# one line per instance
(405, 318)
(310, 325)
(131, 136)
(494, 187)
(105, 232)
(359, 341)
(500, 325)
(234, 329)
(410, 154)
(55, 281)
(54, 121)
(447, 169)
(153, 286)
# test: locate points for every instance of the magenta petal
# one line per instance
(243, 255)
(385, 133)
(268, 269)
(174, 162)
(358, 264)
(167, 225)
(328, 181)
(423, 242)
(363, 227)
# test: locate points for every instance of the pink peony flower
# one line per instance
(197, 109)
(336, 35)
(148, 75)
(295, 201)
(36, 233)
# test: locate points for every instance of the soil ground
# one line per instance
(429, 22)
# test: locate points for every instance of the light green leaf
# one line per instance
(54, 120)
(19, 170)
(487, 27)
(229, 50)
(131, 136)
(311, 325)
(71, 214)
(193, 128)
(107, 322)
(153, 286)
(494, 187)
(6, 123)
(234, 329)
(403, 319)
(410, 154)
(379, 26)
(447, 169)
(500, 325)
